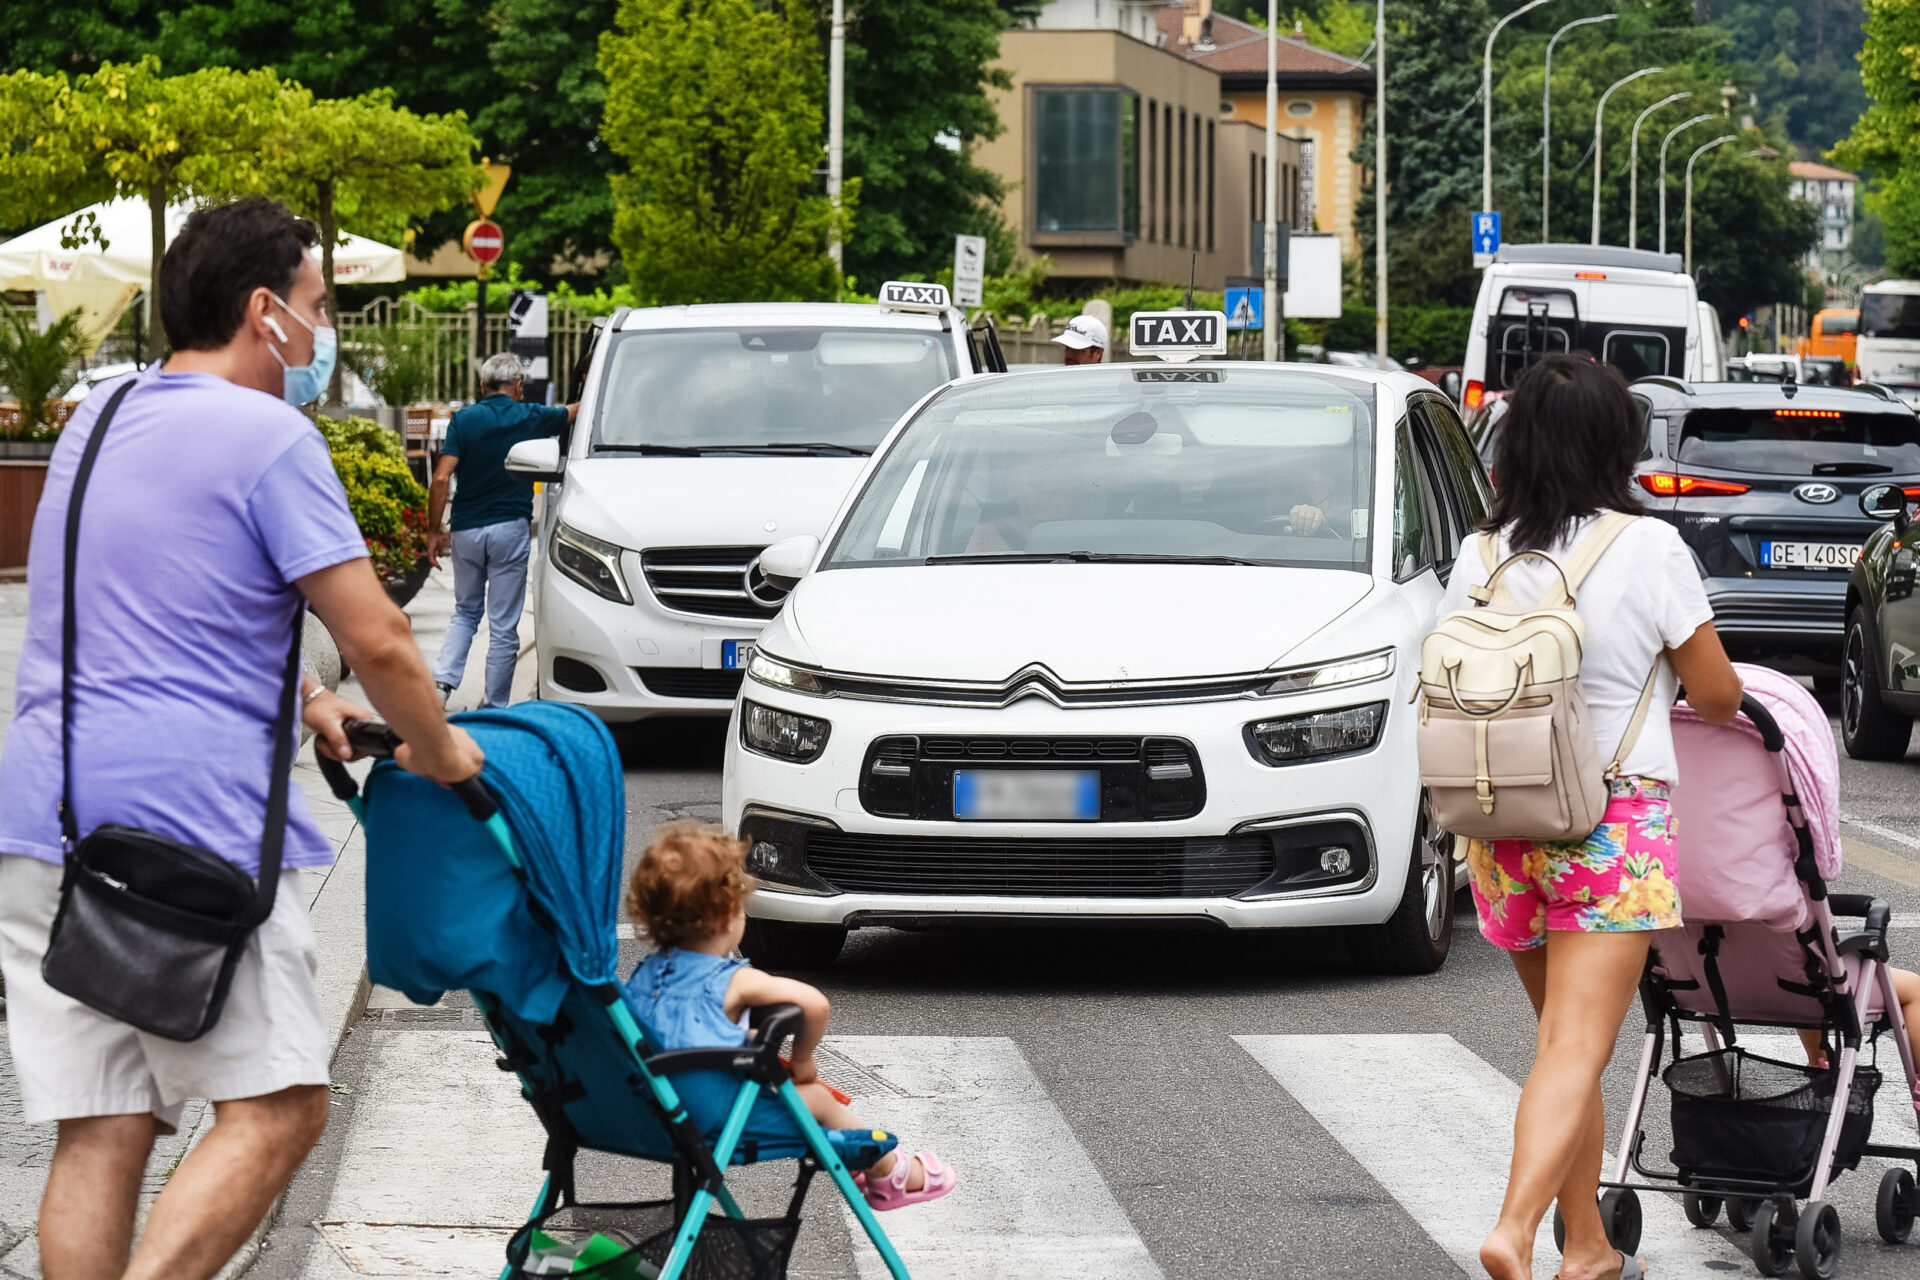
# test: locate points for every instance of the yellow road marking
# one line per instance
(1888, 866)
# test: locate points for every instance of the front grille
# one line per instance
(1786, 612)
(1200, 867)
(711, 581)
(690, 682)
(1150, 779)
(1031, 748)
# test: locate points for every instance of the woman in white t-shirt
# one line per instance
(1577, 916)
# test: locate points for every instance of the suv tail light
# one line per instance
(1662, 484)
(1476, 395)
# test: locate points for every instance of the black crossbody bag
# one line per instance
(150, 928)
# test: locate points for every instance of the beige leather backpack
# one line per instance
(1507, 747)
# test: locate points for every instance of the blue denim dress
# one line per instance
(682, 995)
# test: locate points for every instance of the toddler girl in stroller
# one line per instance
(689, 893)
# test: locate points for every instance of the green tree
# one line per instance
(367, 166)
(1886, 138)
(715, 106)
(45, 165)
(918, 72)
(1799, 56)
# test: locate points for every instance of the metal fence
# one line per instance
(456, 344)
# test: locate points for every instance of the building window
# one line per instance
(1153, 135)
(1086, 162)
(1209, 186)
(1182, 224)
(1166, 174)
(1299, 107)
(1307, 147)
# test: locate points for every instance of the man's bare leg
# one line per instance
(93, 1192)
(222, 1191)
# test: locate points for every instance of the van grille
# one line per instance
(1200, 867)
(711, 581)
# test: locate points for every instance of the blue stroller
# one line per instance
(509, 889)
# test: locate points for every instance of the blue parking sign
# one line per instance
(1485, 231)
(1246, 308)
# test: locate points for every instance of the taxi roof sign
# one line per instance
(908, 295)
(1178, 335)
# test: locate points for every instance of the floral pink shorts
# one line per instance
(1617, 880)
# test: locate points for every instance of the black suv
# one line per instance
(1765, 483)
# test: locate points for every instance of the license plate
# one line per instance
(1026, 795)
(735, 654)
(1809, 555)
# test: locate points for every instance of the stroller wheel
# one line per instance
(1771, 1244)
(1702, 1211)
(1620, 1215)
(1893, 1210)
(1816, 1241)
(1740, 1212)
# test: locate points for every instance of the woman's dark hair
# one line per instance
(1566, 449)
(216, 262)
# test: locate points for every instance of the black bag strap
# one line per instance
(274, 838)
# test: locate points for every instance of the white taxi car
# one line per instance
(1114, 643)
(705, 433)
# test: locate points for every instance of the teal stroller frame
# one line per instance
(533, 1053)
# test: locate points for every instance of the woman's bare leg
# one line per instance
(1590, 981)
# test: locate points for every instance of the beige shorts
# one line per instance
(72, 1061)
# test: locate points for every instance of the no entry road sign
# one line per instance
(484, 240)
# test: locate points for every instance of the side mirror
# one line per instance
(1450, 384)
(537, 458)
(1884, 502)
(790, 559)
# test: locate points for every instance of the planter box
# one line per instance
(26, 450)
(20, 486)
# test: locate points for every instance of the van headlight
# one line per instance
(590, 562)
(1317, 735)
(1325, 675)
(783, 735)
(782, 675)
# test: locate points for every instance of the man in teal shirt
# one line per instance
(491, 529)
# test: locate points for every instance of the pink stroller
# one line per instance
(1758, 815)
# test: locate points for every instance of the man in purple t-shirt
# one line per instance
(212, 518)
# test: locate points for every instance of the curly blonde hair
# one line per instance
(688, 883)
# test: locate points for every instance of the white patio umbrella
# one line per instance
(104, 280)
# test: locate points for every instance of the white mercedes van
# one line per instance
(706, 433)
(1631, 308)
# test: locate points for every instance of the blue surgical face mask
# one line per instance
(302, 383)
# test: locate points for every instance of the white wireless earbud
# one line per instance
(274, 325)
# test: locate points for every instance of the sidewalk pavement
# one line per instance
(336, 899)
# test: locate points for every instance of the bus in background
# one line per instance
(1887, 351)
(1833, 334)
(1631, 308)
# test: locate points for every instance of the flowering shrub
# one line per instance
(387, 502)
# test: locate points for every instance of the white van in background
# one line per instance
(1887, 351)
(1631, 308)
(1713, 346)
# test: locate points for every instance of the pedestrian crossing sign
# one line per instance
(1485, 232)
(1246, 308)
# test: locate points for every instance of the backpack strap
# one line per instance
(1637, 722)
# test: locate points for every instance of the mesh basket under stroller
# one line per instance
(1740, 1116)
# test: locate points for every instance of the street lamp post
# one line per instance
(1379, 179)
(1698, 152)
(1546, 123)
(1633, 180)
(1270, 325)
(836, 128)
(1664, 143)
(1599, 114)
(1486, 102)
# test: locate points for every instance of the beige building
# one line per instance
(1324, 99)
(1122, 164)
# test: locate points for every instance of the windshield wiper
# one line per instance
(1081, 557)
(811, 446)
(701, 450)
(667, 450)
(1851, 469)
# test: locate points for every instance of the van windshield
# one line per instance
(1800, 442)
(751, 389)
(1890, 315)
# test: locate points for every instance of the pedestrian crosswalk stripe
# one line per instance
(1432, 1122)
(1029, 1201)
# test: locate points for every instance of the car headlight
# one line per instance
(1325, 675)
(1317, 735)
(782, 676)
(783, 735)
(590, 562)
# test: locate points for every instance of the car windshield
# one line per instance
(1129, 463)
(1890, 315)
(721, 390)
(1799, 442)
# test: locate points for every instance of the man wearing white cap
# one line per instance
(1085, 340)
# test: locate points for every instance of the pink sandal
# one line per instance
(891, 1191)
